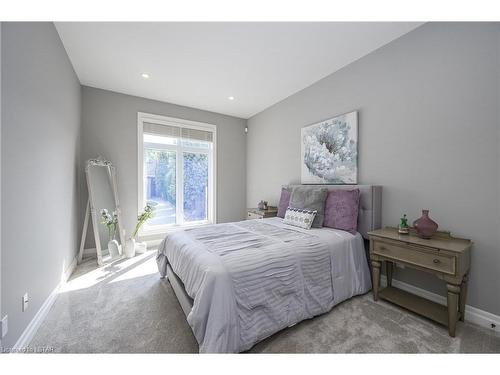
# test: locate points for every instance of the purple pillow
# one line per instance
(284, 202)
(341, 210)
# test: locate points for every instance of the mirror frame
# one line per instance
(94, 214)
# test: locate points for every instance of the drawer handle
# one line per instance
(436, 261)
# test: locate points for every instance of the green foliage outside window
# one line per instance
(164, 172)
(195, 186)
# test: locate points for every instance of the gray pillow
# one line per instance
(310, 198)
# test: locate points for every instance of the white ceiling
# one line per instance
(201, 64)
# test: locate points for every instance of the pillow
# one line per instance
(284, 202)
(299, 218)
(310, 198)
(341, 210)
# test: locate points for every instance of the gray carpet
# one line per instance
(126, 308)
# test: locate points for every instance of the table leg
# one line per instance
(463, 297)
(453, 296)
(375, 278)
(388, 271)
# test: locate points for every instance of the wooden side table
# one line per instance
(255, 213)
(444, 256)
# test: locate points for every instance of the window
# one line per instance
(176, 171)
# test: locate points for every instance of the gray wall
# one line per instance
(41, 107)
(428, 132)
(109, 129)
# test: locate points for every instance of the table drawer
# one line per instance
(426, 258)
(253, 215)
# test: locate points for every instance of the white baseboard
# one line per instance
(69, 271)
(153, 244)
(472, 314)
(90, 253)
(30, 331)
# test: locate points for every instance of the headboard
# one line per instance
(370, 205)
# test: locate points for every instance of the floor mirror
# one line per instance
(103, 208)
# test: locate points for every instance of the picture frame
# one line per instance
(329, 151)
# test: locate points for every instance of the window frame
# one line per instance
(212, 173)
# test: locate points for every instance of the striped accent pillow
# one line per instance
(299, 217)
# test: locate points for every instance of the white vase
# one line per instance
(113, 248)
(141, 247)
(129, 248)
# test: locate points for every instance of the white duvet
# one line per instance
(252, 278)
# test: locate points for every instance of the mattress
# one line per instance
(253, 278)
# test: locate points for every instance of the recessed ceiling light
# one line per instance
(145, 75)
(230, 97)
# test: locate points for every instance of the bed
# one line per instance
(241, 282)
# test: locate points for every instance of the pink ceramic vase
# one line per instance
(425, 226)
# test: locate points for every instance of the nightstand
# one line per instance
(444, 256)
(255, 213)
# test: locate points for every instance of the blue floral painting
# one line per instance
(329, 153)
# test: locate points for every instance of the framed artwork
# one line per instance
(329, 151)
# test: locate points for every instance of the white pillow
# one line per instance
(299, 217)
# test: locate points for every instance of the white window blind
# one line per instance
(195, 134)
(178, 132)
(164, 130)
